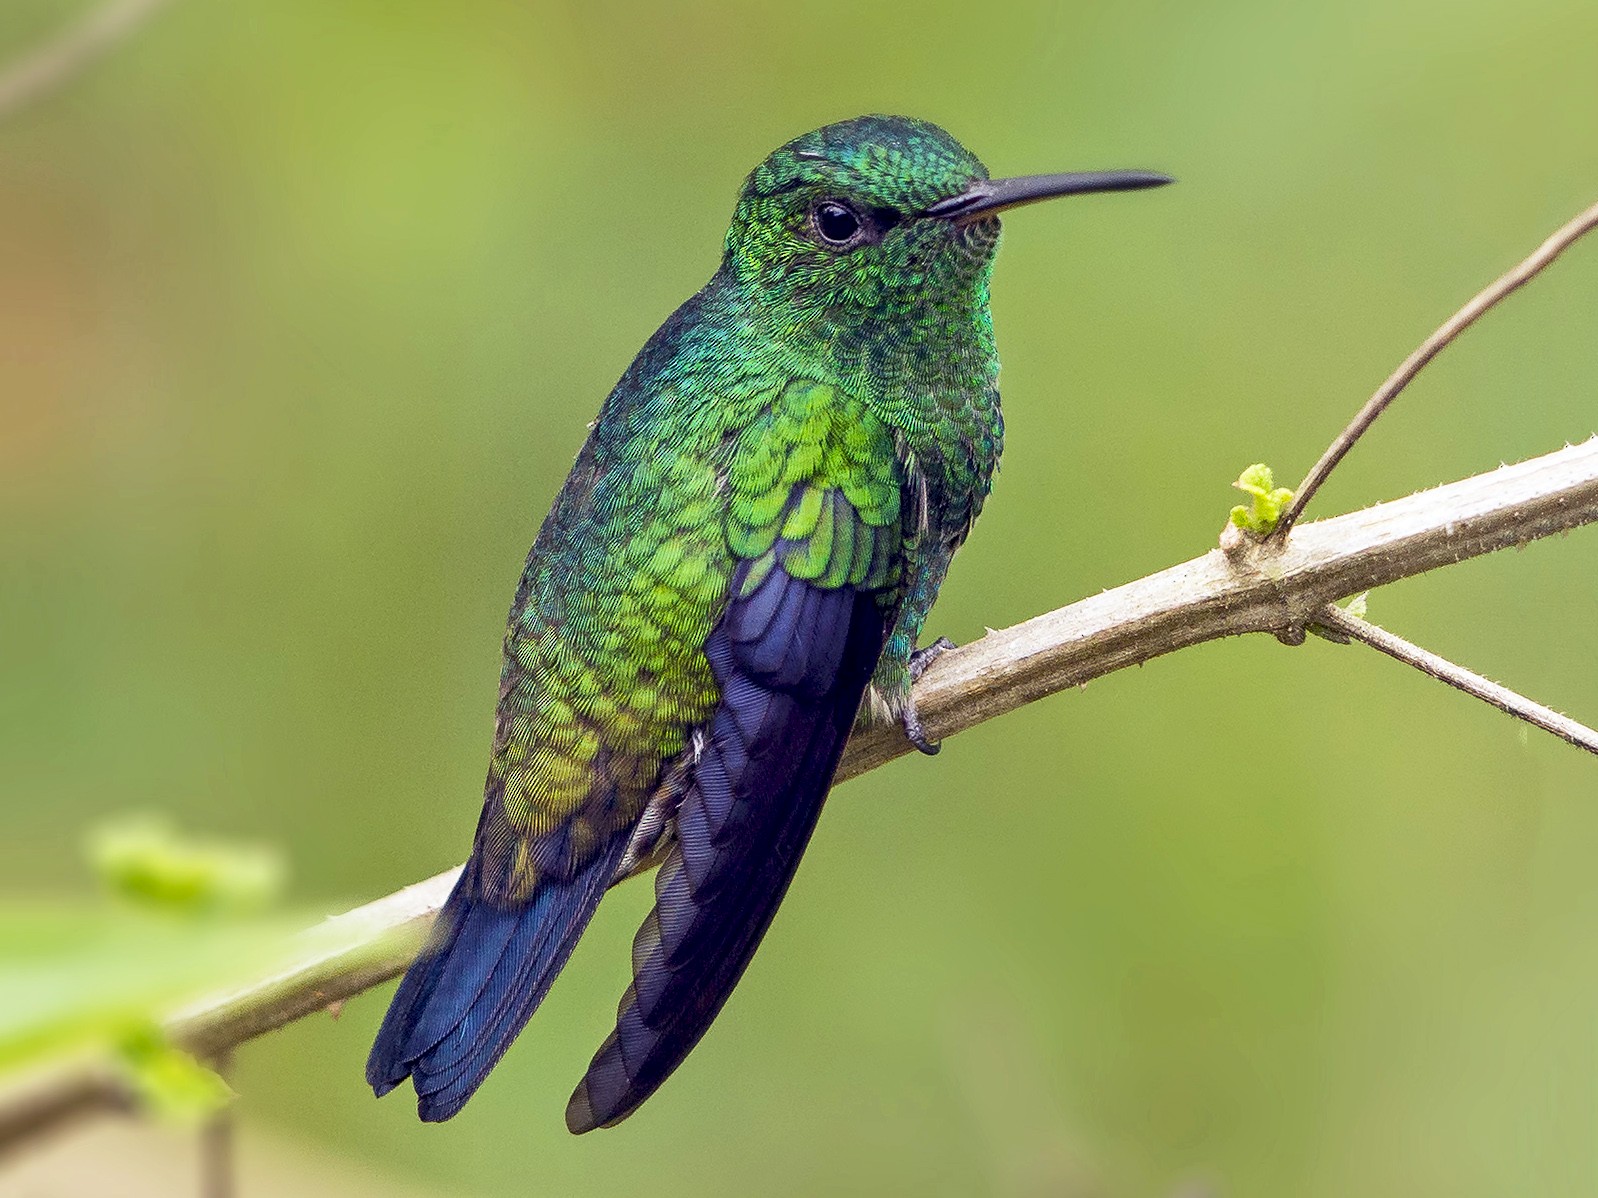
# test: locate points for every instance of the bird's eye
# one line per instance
(835, 223)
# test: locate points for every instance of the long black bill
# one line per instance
(988, 196)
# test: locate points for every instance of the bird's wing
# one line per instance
(815, 532)
(595, 699)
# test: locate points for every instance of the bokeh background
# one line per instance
(303, 309)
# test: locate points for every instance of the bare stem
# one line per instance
(1472, 683)
(217, 1176)
(72, 52)
(1484, 301)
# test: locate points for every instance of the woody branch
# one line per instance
(1268, 586)
(1277, 583)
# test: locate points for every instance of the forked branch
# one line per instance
(1276, 584)
(1258, 587)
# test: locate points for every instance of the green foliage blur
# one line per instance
(304, 306)
(178, 917)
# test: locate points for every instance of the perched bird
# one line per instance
(740, 560)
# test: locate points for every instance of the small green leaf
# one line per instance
(1268, 500)
(169, 1083)
(145, 861)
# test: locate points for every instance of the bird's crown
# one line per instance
(894, 162)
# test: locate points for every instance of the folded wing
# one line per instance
(792, 655)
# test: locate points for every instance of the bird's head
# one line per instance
(882, 214)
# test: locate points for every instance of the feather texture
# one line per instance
(483, 975)
(792, 660)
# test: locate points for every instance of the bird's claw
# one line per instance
(915, 733)
(922, 659)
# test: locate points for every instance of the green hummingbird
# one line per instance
(738, 566)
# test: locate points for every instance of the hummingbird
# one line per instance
(737, 568)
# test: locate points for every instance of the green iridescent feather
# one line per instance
(874, 378)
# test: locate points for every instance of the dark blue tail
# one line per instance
(483, 974)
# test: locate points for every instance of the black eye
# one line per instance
(836, 223)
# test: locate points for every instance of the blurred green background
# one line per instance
(303, 309)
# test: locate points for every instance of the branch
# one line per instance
(1254, 586)
(1249, 586)
(342, 956)
(1352, 627)
(71, 53)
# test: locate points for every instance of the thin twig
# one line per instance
(72, 52)
(218, 1178)
(1472, 683)
(1456, 324)
(1255, 587)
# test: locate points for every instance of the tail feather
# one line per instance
(385, 1065)
(476, 986)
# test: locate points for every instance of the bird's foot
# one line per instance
(922, 659)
